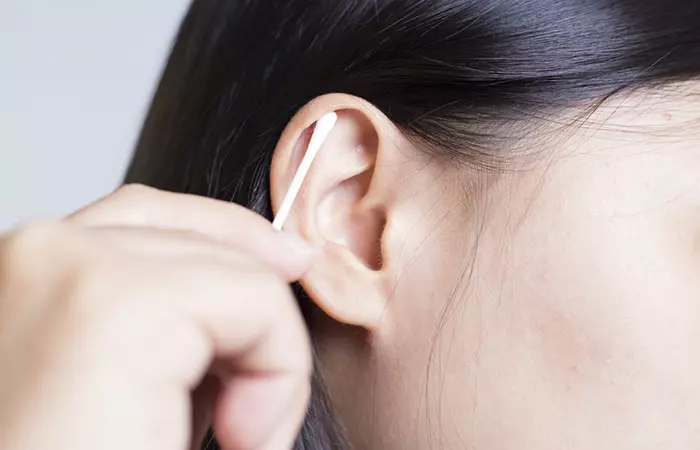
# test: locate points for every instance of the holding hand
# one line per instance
(126, 324)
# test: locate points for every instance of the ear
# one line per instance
(343, 206)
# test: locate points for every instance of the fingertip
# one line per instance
(295, 244)
(294, 255)
(251, 411)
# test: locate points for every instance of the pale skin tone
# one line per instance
(555, 305)
(551, 306)
(117, 321)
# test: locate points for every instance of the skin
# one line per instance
(552, 305)
(129, 325)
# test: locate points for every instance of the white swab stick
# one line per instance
(323, 128)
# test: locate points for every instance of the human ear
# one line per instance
(343, 206)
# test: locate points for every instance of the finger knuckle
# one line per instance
(133, 190)
(31, 244)
(133, 201)
(32, 259)
(133, 195)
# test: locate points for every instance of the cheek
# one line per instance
(575, 329)
(604, 296)
(597, 327)
(594, 325)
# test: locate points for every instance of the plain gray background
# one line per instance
(76, 77)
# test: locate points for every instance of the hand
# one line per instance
(126, 324)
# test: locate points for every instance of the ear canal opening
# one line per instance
(368, 243)
(378, 259)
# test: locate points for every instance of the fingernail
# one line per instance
(296, 244)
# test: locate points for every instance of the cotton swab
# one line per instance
(323, 129)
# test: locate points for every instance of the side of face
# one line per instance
(553, 306)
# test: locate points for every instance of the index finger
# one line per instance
(141, 206)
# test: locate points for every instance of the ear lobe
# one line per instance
(338, 209)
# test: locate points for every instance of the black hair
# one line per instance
(447, 72)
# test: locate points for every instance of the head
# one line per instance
(509, 207)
